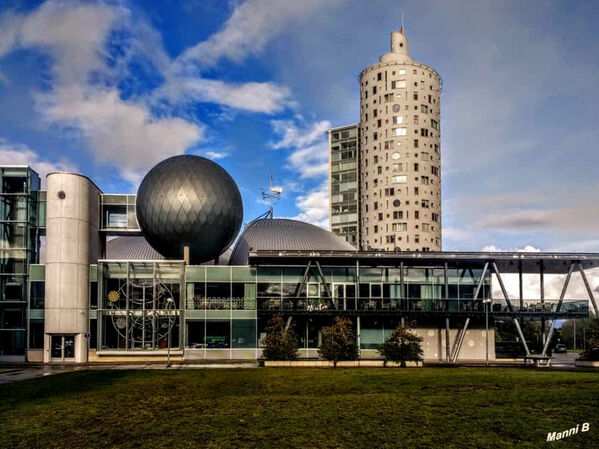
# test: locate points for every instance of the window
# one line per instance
(424, 109)
(397, 168)
(379, 76)
(435, 217)
(417, 215)
(416, 167)
(380, 216)
(425, 226)
(400, 179)
(416, 191)
(425, 180)
(435, 170)
(415, 120)
(398, 215)
(416, 238)
(376, 229)
(379, 170)
(375, 113)
(399, 227)
(388, 144)
(425, 204)
(390, 239)
(415, 95)
(388, 98)
(402, 71)
(435, 124)
(398, 120)
(374, 89)
(415, 143)
(376, 159)
(395, 156)
(376, 205)
(401, 131)
(424, 132)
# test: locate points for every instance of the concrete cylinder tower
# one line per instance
(72, 243)
(400, 153)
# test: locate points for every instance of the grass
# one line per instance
(307, 408)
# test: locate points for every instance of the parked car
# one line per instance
(560, 348)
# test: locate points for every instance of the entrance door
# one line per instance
(344, 296)
(62, 348)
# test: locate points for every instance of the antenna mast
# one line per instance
(272, 195)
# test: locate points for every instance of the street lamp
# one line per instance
(169, 302)
(486, 302)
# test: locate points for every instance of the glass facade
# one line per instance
(118, 213)
(19, 246)
(139, 305)
(343, 144)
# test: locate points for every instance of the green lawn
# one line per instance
(306, 408)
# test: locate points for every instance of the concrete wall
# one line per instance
(399, 95)
(72, 243)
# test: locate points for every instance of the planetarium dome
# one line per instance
(281, 234)
(189, 201)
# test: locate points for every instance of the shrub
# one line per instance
(592, 348)
(338, 341)
(402, 346)
(279, 343)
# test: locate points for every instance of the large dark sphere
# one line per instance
(189, 201)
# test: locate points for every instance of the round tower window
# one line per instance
(62, 195)
(396, 203)
(395, 156)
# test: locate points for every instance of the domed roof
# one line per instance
(137, 248)
(281, 234)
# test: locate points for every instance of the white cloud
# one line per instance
(216, 154)
(19, 154)
(74, 33)
(310, 162)
(314, 206)
(293, 137)
(250, 27)
(525, 249)
(122, 133)
(310, 157)
(264, 97)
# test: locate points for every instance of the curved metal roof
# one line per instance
(137, 248)
(281, 234)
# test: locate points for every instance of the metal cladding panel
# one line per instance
(189, 201)
(137, 248)
(280, 234)
(131, 248)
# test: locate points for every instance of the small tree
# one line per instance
(338, 341)
(592, 347)
(402, 346)
(279, 343)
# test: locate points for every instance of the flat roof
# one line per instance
(507, 262)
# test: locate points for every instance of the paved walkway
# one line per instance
(22, 372)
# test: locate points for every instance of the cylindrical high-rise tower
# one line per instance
(400, 153)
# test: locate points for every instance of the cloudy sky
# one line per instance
(110, 88)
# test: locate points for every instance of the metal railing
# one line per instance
(464, 305)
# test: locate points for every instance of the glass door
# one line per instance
(344, 296)
(62, 348)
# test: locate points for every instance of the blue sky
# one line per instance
(110, 88)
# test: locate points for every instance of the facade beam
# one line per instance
(480, 281)
(511, 307)
(589, 290)
(557, 309)
(460, 341)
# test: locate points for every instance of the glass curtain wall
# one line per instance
(139, 305)
(19, 244)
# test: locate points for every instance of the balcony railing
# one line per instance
(463, 305)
